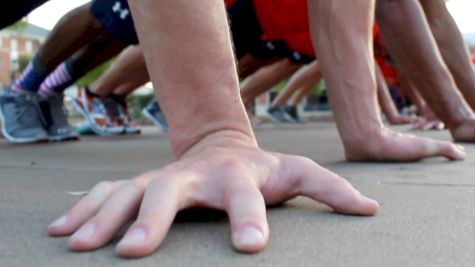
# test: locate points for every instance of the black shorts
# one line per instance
(116, 18)
(297, 57)
(247, 33)
(15, 10)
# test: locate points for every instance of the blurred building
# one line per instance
(17, 44)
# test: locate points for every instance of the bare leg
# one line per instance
(248, 64)
(306, 75)
(129, 69)
(305, 90)
(452, 47)
(301, 94)
(348, 68)
(265, 78)
(73, 32)
(91, 56)
(76, 29)
(127, 88)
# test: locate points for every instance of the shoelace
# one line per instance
(25, 106)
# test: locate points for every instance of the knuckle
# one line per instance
(138, 184)
(307, 161)
(104, 186)
(232, 165)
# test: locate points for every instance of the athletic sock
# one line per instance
(56, 82)
(31, 78)
(60, 79)
(119, 99)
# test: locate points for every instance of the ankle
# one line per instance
(90, 92)
(119, 99)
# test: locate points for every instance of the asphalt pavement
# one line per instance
(426, 216)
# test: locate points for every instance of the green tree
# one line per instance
(19, 25)
(91, 76)
(23, 62)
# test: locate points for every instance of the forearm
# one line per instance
(409, 40)
(411, 92)
(384, 98)
(452, 47)
(199, 92)
(347, 65)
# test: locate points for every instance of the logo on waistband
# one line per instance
(123, 12)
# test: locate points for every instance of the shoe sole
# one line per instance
(16, 139)
(274, 119)
(83, 113)
(61, 138)
(138, 131)
(151, 118)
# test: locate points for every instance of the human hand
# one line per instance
(426, 124)
(224, 171)
(427, 121)
(400, 119)
(387, 145)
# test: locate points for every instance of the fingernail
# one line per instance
(460, 147)
(134, 238)
(371, 206)
(367, 199)
(84, 233)
(249, 236)
(461, 152)
(58, 222)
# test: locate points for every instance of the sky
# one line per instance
(47, 15)
(463, 13)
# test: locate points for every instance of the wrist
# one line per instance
(210, 109)
(456, 117)
(193, 133)
(223, 138)
(366, 145)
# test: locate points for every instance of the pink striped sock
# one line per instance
(57, 78)
(16, 86)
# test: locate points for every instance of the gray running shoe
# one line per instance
(56, 122)
(22, 118)
(279, 115)
(294, 114)
(153, 112)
